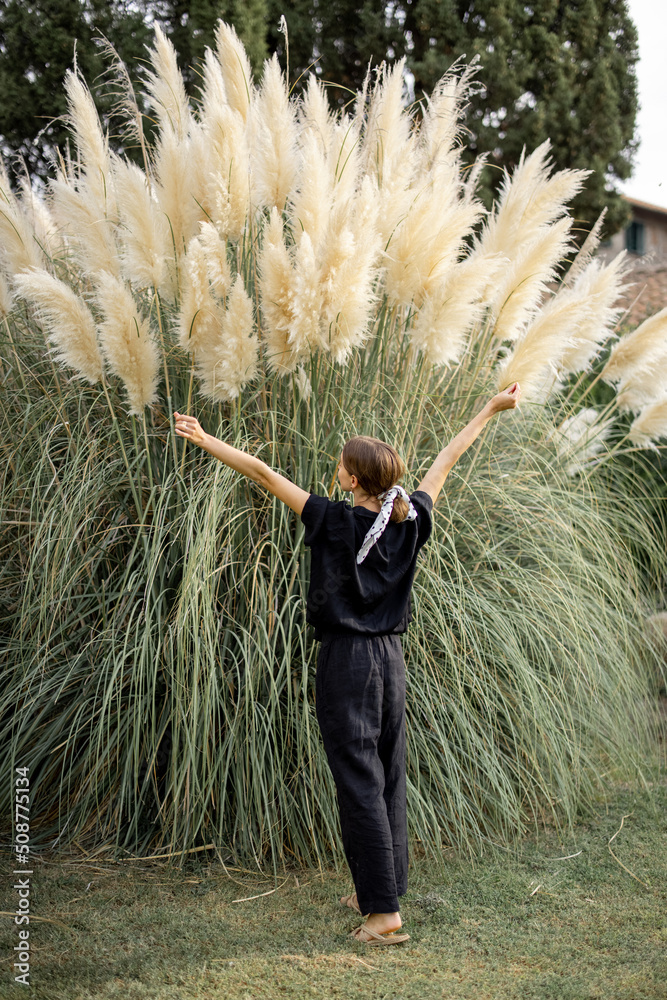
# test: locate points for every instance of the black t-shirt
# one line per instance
(370, 598)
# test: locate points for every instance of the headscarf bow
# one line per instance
(382, 520)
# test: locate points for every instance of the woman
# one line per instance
(363, 561)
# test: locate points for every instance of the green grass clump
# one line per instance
(158, 673)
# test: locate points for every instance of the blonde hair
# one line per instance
(377, 467)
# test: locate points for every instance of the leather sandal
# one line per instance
(389, 937)
(351, 902)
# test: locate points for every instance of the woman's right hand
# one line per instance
(508, 399)
(189, 428)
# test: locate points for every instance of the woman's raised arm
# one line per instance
(434, 479)
(248, 465)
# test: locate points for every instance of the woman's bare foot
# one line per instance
(381, 923)
(351, 901)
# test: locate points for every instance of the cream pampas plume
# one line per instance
(87, 233)
(164, 84)
(427, 242)
(314, 114)
(440, 214)
(388, 147)
(215, 256)
(224, 156)
(127, 343)
(303, 383)
(650, 425)
(274, 160)
(226, 363)
(305, 299)
(176, 199)
(536, 360)
(638, 348)
(388, 143)
(438, 150)
(638, 364)
(311, 202)
(145, 240)
(19, 250)
(345, 158)
(235, 69)
(515, 295)
(598, 287)
(5, 297)
(275, 282)
(70, 325)
(581, 437)
(529, 200)
(199, 317)
(453, 309)
(348, 273)
(41, 220)
(92, 146)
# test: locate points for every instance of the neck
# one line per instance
(370, 503)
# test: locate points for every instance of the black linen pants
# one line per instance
(360, 704)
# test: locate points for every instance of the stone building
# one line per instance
(645, 239)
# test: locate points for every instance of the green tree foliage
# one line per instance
(39, 41)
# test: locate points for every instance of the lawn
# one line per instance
(561, 919)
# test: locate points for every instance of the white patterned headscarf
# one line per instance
(382, 520)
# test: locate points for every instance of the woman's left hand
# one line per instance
(189, 428)
(507, 399)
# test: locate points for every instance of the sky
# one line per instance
(649, 180)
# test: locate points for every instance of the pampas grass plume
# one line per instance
(275, 160)
(70, 324)
(650, 425)
(19, 250)
(537, 358)
(305, 299)
(5, 297)
(637, 348)
(226, 364)
(41, 220)
(236, 69)
(144, 233)
(199, 317)
(427, 243)
(520, 288)
(598, 287)
(580, 437)
(175, 193)
(529, 200)
(451, 311)
(87, 232)
(275, 279)
(215, 256)
(314, 114)
(91, 143)
(588, 248)
(127, 343)
(164, 84)
(224, 155)
(311, 202)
